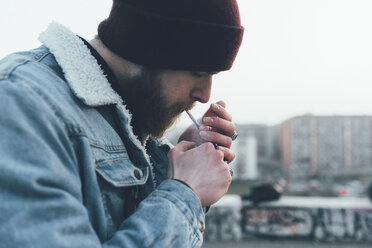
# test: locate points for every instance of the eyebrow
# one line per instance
(203, 73)
(213, 72)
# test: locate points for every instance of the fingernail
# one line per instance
(205, 128)
(208, 120)
(221, 148)
(204, 134)
(215, 106)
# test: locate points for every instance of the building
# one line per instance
(327, 145)
(257, 153)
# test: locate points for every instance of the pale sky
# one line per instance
(297, 56)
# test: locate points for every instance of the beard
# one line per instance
(152, 113)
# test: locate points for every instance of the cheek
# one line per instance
(178, 93)
(177, 87)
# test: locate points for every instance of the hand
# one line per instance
(202, 168)
(216, 127)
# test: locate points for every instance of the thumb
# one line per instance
(184, 146)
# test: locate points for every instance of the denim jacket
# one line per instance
(72, 173)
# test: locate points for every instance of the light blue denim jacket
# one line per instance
(70, 177)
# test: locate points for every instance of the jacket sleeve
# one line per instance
(41, 201)
(170, 217)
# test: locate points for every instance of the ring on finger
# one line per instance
(234, 136)
(231, 171)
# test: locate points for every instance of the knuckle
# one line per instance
(183, 143)
(229, 142)
(174, 149)
(171, 153)
(220, 155)
(233, 127)
(216, 121)
(233, 155)
(227, 117)
(228, 177)
(212, 135)
(208, 146)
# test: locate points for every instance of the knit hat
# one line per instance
(195, 35)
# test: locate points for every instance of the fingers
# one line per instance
(215, 137)
(217, 124)
(217, 119)
(220, 111)
(221, 103)
(191, 134)
(229, 155)
(213, 109)
(184, 146)
(176, 152)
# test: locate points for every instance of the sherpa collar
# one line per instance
(84, 75)
(80, 68)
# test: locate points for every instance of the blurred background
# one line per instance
(300, 96)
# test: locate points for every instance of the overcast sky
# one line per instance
(297, 56)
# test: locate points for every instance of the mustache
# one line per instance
(190, 106)
(181, 107)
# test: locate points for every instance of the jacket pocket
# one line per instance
(122, 173)
(113, 165)
(118, 180)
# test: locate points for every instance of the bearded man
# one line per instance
(83, 162)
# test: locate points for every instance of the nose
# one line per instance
(202, 90)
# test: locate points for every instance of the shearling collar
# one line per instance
(80, 68)
(84, 76)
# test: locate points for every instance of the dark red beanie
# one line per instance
(196, 35)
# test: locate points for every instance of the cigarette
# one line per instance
(197, 125)
(193, 120)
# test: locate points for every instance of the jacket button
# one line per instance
(137, 174)
(201, 227)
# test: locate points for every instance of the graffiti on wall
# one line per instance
(317, 223)
(321, 224)
(223, 223)
(278, 222)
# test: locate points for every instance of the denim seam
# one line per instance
(109, 161)
(7, 74)
(51, 106)
(71, 133)
(106, 148)
(46, 102)
(107, 215)
(55, 110)
(41, 57)
(122, 183)
(49, 103)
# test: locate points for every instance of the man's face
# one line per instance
(156, 98)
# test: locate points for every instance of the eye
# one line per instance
(198, 74)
